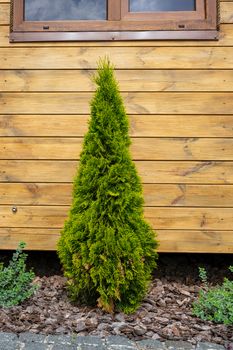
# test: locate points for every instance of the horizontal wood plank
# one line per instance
(35, 239)
(129, 80)
(195, 241)
(36, 193)
(136, 103)
(180, 195)
(192, 241)
(190, 218)
(179, 125)
(48, 125)
(136, 57)
(151, 172)
(159, 218)
(140, 125)
(141, 148)
(4, 13)
(226, 11)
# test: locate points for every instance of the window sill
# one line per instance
(114, 36)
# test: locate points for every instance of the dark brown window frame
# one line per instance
(121, 25)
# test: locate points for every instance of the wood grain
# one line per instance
(36, 193)
(195, 241)
(190, 218)
(179, 125)
(226, 10)
(136, 103)
(129, 80)
(35, 239)
(179, 97)
(136, 57)
(140, 125)
(160, 218)
(46, 125)
(180, 195)
(192, 241)
(151, 172)
(4, 13)
(141, 148)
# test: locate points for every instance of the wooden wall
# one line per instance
(179, 96)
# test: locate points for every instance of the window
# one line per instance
(58, 20)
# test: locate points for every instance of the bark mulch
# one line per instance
(165, 313)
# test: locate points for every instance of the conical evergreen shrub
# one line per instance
(107, 249)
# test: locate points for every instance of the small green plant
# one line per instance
(216, 303)
(203, 275)
(15, 282)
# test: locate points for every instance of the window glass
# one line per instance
(55, 10)
(161, 5)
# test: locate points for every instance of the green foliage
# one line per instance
(107, 249)
(203, 275)
(216, 303)
(15, 282)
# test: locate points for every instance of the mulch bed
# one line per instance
(164, 314)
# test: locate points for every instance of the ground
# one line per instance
(165, 313)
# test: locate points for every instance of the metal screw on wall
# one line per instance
(14, 210)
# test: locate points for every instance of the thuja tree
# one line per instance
(107, 249)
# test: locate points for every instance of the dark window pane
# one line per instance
(55, 10)
(161, 5)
